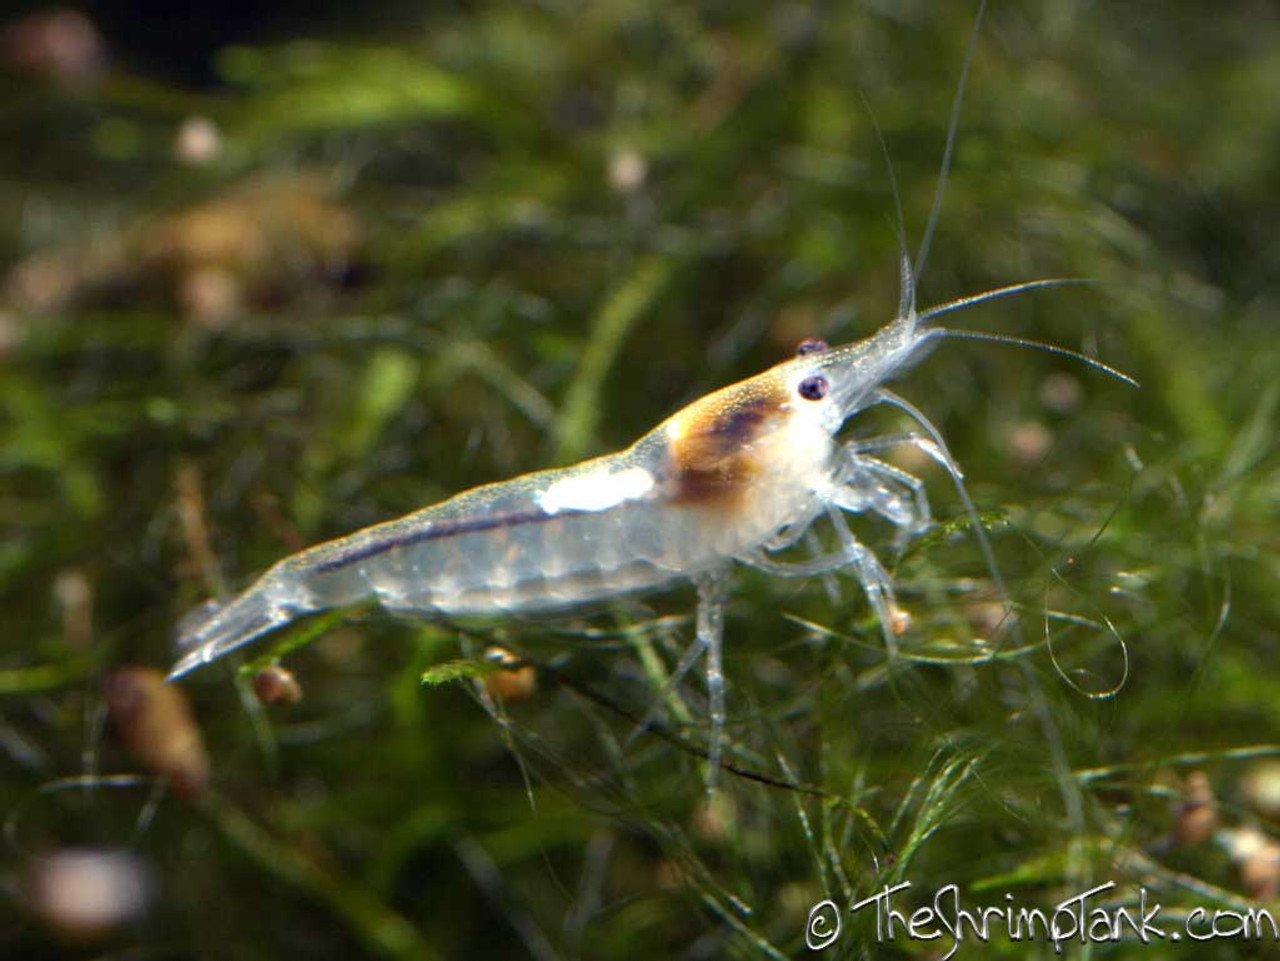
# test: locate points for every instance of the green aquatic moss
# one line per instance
(440, 247)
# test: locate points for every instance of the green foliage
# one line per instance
(459, 670)
(460, 244)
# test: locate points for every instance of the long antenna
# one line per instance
(974, 299)
(907, 278)
(952, 126)
(1035, 344)
(962, 302)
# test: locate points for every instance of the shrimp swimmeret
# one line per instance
(738, 475)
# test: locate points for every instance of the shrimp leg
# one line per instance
(711, 591)
(709, 641)
(930, 442)
(687, 660)
(853, 553)
(909, 521)
(874, 578)
(813, 567)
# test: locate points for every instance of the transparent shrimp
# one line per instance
(715, 482)
(739, 475)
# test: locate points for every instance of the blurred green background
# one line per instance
(277, 272)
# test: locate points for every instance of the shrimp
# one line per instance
(739, 475)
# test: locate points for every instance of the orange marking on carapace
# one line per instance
(712, 445)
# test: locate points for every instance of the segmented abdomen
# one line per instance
(510, 560)
(543, 541)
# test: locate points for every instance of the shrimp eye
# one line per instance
(811, 346)
(814, 388)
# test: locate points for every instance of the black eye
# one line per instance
(811, 346)
(814, 388)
